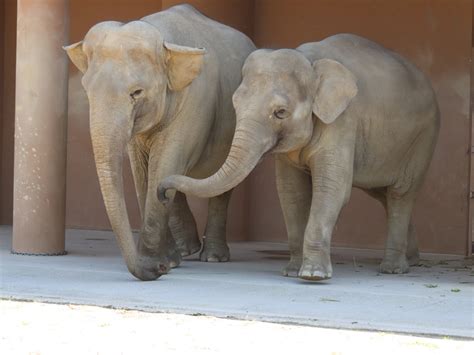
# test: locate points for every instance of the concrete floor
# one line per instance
(434, 299)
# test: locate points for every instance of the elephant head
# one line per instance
(128, 73)
(277, 103)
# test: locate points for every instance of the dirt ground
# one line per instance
(39, 328)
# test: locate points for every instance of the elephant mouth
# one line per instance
(266, 154)
(272, 149)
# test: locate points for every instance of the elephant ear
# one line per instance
(77, 56)
(183, 64)
(335, 88)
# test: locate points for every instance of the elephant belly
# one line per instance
(383, 160)
(369, 179)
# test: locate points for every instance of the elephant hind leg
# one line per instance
(399, 209)
(183, 226)
(215, 248)
(402, 242)
(412, 253)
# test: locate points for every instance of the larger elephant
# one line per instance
(337, 113)
(162, 88)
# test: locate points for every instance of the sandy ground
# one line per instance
(39, 328)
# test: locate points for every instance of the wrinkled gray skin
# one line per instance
(338, 113)
(154, 91)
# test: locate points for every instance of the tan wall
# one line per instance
(436, 35)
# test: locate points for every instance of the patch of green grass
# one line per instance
(431, 285)
(455, 290)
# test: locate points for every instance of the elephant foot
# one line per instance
(292, 268)
(174, 257)
(316, 268)
(150, 268)
(413, 260)
(413, 257)
(213, 251)
(315, 272)
(394, 265)
(188, 246)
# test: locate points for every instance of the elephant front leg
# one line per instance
(215, 246)
(183, 226)
(156, 247)
(294, 191)
(331, 185)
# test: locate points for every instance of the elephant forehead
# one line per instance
(125, 44)
(282, 60)
(275, 83)
(138, 29)
(130, 39)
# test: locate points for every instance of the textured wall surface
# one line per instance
(435, 35)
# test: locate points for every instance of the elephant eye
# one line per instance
(281, 113)
(135, 94)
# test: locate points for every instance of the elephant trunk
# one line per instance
(250, 143)
(108, 149)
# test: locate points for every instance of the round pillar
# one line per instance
(40, 127)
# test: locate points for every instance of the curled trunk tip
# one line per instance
(166, 184)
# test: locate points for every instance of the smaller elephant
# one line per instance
(337, 113)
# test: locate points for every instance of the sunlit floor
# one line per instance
(39, 328)
(436, 298)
